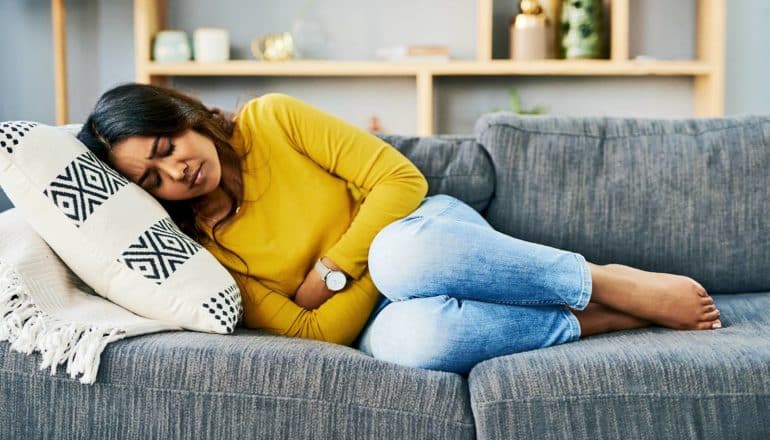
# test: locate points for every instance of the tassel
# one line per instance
(85, 355)
(28, 328)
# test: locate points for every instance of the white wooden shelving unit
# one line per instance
(707, 69)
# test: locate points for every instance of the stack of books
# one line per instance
(414, 53)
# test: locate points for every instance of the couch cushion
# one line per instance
(249, 384)
(452, 164)
(688, 196)
(645, 383)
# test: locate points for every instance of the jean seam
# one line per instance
(574, 324)
(585, 286)
(527, 303)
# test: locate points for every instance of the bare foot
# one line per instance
(597, 318)
(670, 300)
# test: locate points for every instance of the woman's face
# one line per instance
(177, 168)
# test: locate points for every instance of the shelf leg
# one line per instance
(149, 18)
(709, 89)
(484, 30)
(619, 33)
(424, 103)
(59, 23)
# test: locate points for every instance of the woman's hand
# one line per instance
(313, 291)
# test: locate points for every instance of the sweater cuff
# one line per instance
(354, 268)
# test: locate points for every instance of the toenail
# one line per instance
(716, 324)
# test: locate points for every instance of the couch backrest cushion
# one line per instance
(454, 165)
(687, 196)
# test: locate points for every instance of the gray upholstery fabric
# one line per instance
(454, 165)
(650, 383)
(252, 384)
(181, 385)
(688, 196)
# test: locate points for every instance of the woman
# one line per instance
(329, 235)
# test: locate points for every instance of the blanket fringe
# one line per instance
(28, 328)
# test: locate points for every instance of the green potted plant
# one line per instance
(517, 106)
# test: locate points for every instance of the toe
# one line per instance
(701, 290)
(707, 300)
(710, 316)
(704, 325)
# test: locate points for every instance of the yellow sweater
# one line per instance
(314, 186)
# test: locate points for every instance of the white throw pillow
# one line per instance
(114, 235)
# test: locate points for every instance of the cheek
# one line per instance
(171, 192)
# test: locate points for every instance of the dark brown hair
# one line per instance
(146, 110)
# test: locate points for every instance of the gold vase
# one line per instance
(529, 32)
(273, 47)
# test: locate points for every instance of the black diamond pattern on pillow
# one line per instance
(83, 186)
(225, 308)
(159, 251)
(11, 133)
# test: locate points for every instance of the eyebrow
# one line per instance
(152, 154)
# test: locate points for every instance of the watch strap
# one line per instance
(322, 269)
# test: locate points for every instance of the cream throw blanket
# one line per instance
(45, 307)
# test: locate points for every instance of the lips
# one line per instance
(197, 177)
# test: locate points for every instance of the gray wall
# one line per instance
(100, 45)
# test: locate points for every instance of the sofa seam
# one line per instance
(226, 393)
(613, 396)
(454, 175)
(530, 131)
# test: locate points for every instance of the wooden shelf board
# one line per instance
(286, 68)
(452, 68)
(575, 68)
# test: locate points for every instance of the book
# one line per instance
(412, 51)
(417, 59)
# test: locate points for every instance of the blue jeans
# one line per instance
(455, 292)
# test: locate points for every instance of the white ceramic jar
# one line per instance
(211, 45)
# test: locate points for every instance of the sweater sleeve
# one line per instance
(394, 184)
(339, 320)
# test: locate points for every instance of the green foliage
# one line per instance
(517, 106)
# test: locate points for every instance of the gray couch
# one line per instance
(683, 196)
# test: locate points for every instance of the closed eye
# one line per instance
(171, 147)
(168, 152)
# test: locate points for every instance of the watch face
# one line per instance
(335, 281)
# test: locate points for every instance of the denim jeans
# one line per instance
(455, 292)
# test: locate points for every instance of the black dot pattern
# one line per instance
(225, 308)
(11, 133)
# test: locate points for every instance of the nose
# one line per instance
(175, 169)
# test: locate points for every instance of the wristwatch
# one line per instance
(335, 280)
